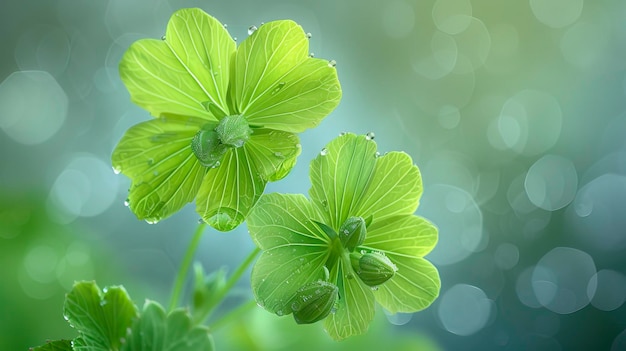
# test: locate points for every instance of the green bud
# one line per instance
(352, 232)
(207, 147)
(314, 301)
(374, 268)
(233, 130)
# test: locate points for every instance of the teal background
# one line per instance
(513, 110)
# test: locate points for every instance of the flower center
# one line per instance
(210, 144)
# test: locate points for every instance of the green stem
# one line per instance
(232, 315)
(184, 267)
(229, 284)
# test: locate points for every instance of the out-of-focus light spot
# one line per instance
(441, 59)
(464, 309)
(504, 48)
(560, 279)
(452, 16)
(529, 123)
(524, 288)
(586, 43)
(13, 221)
(451, 89)
(453, 169)
(40, 263)
(87, 187)
(141, 16)
(596, 216)
(75, 265)
(33, 106)
(610, 290)
(43, 48)
(449, 116)
(104, 80)
(398, 18)
(619, 343)
(473, 45)
(551, 182)
(461, 231)
(33, 288)
(506, 256)
(398, 318)
(557, 13)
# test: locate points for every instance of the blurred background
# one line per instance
(514, 111)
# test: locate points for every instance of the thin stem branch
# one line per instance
(184, 267)
(232, 315)
(221, 294)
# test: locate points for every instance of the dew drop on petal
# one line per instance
(332, 63)
(370, 136)
(324, 152)
(163, 37)
(117, 170)
(312, 54)
(252, 29)
(126, 203)
(308, 35)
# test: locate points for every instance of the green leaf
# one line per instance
(355, 309)
(340, 175)
(280, 220)
(274, 152)
(57, 345)
(156, 155)
(394, 189)
(408, 236)
(206, 289)
(414, 287)
(229, 191)
(102, 318)
(181, 73)
(277, 85)
(281, 271)
(156, 331)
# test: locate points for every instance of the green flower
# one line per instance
(357, 232)
(226, 116)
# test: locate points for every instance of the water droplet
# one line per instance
(377, 154)
(279, 86)
(151, 221)
(117, 170)
(350, 276)
(105, 290)
(324, 152)
(370, 136)
(66, 317)
(309, 35)
(332, 63)
(280, 312)
(374, 288)
(126, 203)
(163, 37)
(150, 162)
(278, 154)
(252, 29)
(103, 302)
(200, 221)
(235, 38)
(217, 164)
(342, 133)
(155, 173)
(312, 54)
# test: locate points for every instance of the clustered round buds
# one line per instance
(374, 268)
(314, 301)
(210, 144)
(352, 232)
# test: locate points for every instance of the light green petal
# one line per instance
(414, 287)
(409, 236)
(274, 152)
(229, 191)
(355, 309)
(281, 271)
(340, 175)
(277, 85)
(165, 175)
(280, 220)
(184, 72)
(395, 188)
